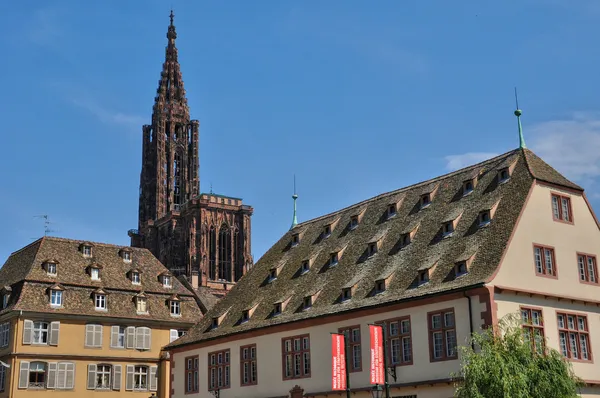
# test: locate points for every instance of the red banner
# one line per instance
(377, 368)
(338, 362)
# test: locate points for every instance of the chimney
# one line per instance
(195, 279)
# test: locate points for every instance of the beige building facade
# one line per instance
(88, 319)
(436, 262)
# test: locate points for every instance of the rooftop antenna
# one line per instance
(211, 191)
(295, 197)
(47, 223)
(518, 114)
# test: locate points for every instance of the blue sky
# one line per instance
(354, 97)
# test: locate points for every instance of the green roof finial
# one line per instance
(518, 114)
(295, 197)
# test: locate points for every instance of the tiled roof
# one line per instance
(25, 273)
(398, 265)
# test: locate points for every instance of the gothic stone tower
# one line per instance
(205, 237)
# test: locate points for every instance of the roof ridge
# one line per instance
(70, 240)
(406, 188)
(37, 241)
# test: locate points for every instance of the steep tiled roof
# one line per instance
(398, 265)
(25, 272)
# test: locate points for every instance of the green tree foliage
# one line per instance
(504, 365)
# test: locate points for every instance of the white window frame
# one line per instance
(95, 274)
(127, 256)
(136, 278)
(87, 251)
(175, 308)
(140, 371)
(167, 281)
(56, 298)
(138, 305)
(107, 374)
(51, 269)
(42, 329)
(100, 301)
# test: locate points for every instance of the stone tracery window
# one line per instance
(225, 253)
(212, 250)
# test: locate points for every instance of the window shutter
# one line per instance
(24, 374)
(116, 377)
(91, 382)
(27, 331)
(153, 378)
(114, 337)
(129, 378)
(89, 335)
(54, 331)
(97, 335)
(51, 383)
(147, 338)
(61, 375)
(130, 337)
(139, 338)
(70, 382)
(174, 335)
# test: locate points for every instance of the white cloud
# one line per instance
(571, 146)
(456, 162)
(108, 116)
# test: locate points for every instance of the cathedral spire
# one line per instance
(171, 93)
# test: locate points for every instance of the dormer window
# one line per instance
(425, 200)
(136, 278)
(166, 281)
(484, 218)
(50, 268)
(333, 259)
(503, 175)
(372, 249)
(379, 286)
(423, 277)
(307, 302)
(56, 298)
(5, 298)
(87, 250)
(353, 222)
(461, 268)
(175, 307)
(295, 240)
(100, 301)
(405, 240)
(391, 210)
(327, 231)
(273, 274)
(305, 267)
(346, 293)
(126, 255)
(468, 187)
(245, 316)
(141, 304)
(215, 323)
(276, 309)
(95, 274)
(448, 229)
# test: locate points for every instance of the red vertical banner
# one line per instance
(377, 367)
(338, 362)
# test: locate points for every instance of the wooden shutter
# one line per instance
(139, 338)
(147, 338)
(153, 378)
(129, 378)
(54, 330)
(89, 335)
(24, 374)
(114, 337)
(27, 332)
(61, 375)
(91, 381)
(70, 378)
(97, 335)
(116, 377)
(130, 337)
(51, 383)
(174, 335)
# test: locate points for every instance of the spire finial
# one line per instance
(172, 16)
(518, 114)
(295, 197)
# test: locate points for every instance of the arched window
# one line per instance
(212, 256)
(177, 166)
(225, 253)
(236, 253)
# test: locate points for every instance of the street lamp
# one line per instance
(377, 391)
